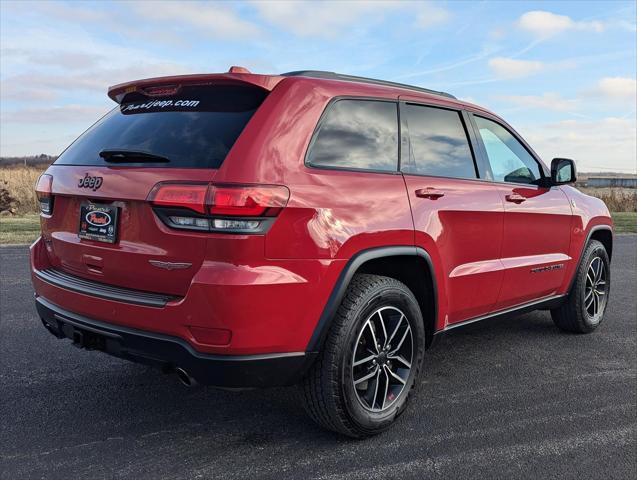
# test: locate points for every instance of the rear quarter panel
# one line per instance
(331, 213)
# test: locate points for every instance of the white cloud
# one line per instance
(607, 144)
(38, 85)
(483, 53)
(546, 101)
(627, 26)
(617, 88)
(75, 13)
(117, 22)
(80, 114)
(608, 87)
(329, 19)
(512, 68)
(545, 24)
(46, 63)
(317, 19)
(210, 19)
(69, 60)
(431, 15)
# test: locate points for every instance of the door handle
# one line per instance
(429, 192)
(515, 198)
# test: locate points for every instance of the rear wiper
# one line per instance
(131, 156)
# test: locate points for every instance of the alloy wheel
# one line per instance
(595, 289)
(382, 359)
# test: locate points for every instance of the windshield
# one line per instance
(194, 128)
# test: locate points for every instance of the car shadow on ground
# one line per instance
(140, 400)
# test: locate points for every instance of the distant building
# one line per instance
(602, 182)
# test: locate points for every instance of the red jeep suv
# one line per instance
(308, 228)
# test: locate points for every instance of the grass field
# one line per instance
(22, 229)
(26, 228)
(625, 222)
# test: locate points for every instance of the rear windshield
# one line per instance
(193, 128)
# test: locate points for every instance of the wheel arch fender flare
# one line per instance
(349, 270)
(589, 236)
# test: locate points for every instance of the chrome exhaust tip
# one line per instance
(185, 378)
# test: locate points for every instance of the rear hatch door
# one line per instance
(102, 227)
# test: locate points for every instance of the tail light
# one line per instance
(44, 192)
(179, 195)
(247, 201)
(225, 208)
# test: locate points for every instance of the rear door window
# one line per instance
(194, 128)
(357, 134)
(438, 143)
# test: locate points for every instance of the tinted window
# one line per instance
(194, 128)
(357, 134)
(438, 143)
(509, 160)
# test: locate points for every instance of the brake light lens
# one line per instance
(162, 91)
(247, 201)
(178, 195)
(218, 207)
(44, 192)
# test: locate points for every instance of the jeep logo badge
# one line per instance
(90, 182)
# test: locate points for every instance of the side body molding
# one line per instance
(352, 266)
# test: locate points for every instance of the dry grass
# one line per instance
(19, 182)
(616, 199)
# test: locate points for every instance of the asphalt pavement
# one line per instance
(498, 399)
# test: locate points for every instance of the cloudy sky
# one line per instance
(562, 73)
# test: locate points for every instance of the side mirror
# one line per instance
(563, 171)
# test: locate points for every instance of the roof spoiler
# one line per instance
(240, 75)
(160, 85)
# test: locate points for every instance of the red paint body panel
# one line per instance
(269, 290)
(264, 303)
(588, 213)
(537, 234)
(373, 213)
(464, 229)
(142, 237)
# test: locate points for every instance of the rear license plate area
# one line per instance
(98, 222)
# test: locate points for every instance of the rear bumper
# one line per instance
(262, 303)
(168, 352)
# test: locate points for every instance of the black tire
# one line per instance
(574, 315)
(329, 393)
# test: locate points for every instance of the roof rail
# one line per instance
(352, 78)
